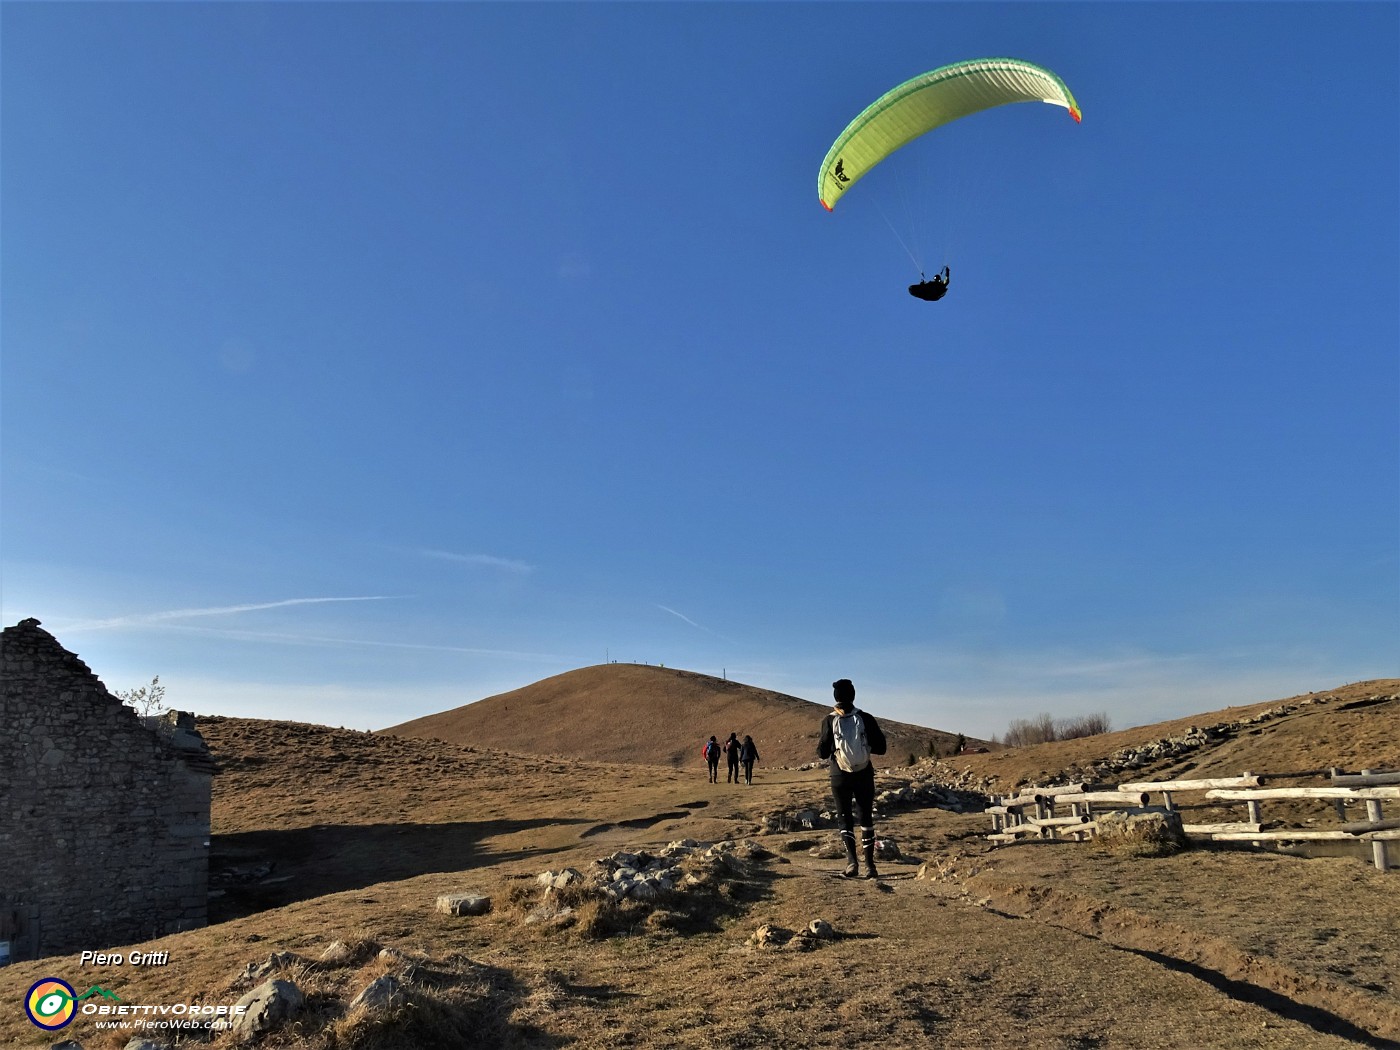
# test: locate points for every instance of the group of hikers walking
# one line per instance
(849, 737)
(736, 752)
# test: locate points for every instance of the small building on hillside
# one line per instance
(104, 819)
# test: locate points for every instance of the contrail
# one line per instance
(687, 619)
(316, 640)
(219, 610)
(489, 560)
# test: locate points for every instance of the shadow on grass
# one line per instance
(1317, 1018)
(258, 870)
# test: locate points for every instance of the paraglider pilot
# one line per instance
(931, 290)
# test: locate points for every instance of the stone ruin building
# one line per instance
(104, 816)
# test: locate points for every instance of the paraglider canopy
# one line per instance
(929, 101)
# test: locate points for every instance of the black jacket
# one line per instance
(874, 736)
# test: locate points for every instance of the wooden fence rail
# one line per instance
(1032, 811)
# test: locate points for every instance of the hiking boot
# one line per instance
(868, 844)
(852, 869)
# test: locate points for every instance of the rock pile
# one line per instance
(771, 935)
(644, 876)
(962, 786)
(1173, 748)
(928, 792)
(928, 784)
(673, 877)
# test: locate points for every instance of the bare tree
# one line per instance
(145, 700)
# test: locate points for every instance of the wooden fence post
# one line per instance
(1341, 803)
(1375, 815)
(1253, 808)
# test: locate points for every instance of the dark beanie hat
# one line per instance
(844, 692)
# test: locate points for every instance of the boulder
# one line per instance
(821, 930)
(267, 1006)
(380, 995)
(345, 953)
(558, 880)
(886, 849)
(463, 904)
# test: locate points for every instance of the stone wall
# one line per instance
(104, 822)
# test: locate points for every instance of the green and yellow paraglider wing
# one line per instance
(929, 101)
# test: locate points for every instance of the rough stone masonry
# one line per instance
(104, 820)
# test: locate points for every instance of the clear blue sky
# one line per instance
(364, 360)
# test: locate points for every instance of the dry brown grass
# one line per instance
(654, 716)
(1037, 946)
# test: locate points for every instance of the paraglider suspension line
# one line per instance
(902, 244)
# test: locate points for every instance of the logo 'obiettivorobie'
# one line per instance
(51, 1003)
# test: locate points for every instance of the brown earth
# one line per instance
(652, 715)
(351, 836)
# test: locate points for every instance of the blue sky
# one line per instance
(364, 360)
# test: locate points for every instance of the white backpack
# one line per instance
(852, 750)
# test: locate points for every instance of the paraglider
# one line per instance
(922, 104)
(932, 289)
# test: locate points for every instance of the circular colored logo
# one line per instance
(50, 1003)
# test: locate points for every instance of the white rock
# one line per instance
(380, 994)
(267, 1006)
(463, 904)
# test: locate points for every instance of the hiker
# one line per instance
(731, 752)
(931, 290)
(848, 738)
(748, 754)
(711, 753)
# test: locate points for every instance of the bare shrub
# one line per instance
(1042, 729)
(1082, 726)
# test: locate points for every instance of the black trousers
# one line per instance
(855, 791)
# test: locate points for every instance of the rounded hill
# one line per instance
(651, 715)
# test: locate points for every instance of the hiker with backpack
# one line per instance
(711, 753)
(748, 754)
(731, 752)
(848, 738)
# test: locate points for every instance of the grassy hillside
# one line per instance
(650, 715)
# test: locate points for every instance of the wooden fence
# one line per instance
(1040, 812)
